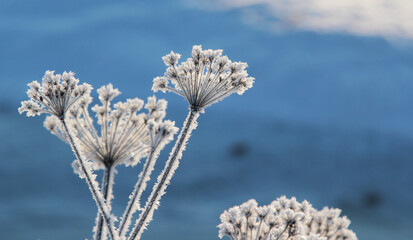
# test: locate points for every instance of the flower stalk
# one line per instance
(89, 177)
(165, 177)
(160, 133)
(133, 204)
(107, 188)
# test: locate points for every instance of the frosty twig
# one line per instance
(165, 177)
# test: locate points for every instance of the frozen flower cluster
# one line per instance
(125, 136)
(204, 79)
(55, 95)
(284, 219)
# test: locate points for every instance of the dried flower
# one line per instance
(205, 78)
(161, 133)
(55, 95)
(284, 219)
(54, 125)
(123, 132)
(124, 136)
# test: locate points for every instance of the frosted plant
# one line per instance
(284, 219)
(125, 136)
(56, 96)
(123, 132)
(202, 80)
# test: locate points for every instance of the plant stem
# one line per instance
(259, 229)
(164, 178)
(140, 186)
(107, 185)
(93, 186)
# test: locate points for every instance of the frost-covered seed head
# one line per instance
(123, 137)
(171, 59)
(161, 84)
(204, 79)
(249, 208)
(161, 133)
(156, 109)
(263, 211)
(107, 93)
(284, 219)
(55, 96)
(53, 124)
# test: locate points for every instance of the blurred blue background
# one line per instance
(328, 120)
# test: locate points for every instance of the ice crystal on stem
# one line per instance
(160, 133)
(284, 219)
(56, 96)
(204, 79)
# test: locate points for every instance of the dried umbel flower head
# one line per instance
(54, 125)
(56, 95)
(124, 136)
(156, 108)
(205, 78)
(161, 133)
(284, 219)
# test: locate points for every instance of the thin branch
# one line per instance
(93, 186)
(107, 186)
(133, 204)
(165, 177)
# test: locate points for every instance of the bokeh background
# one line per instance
(328, 120)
